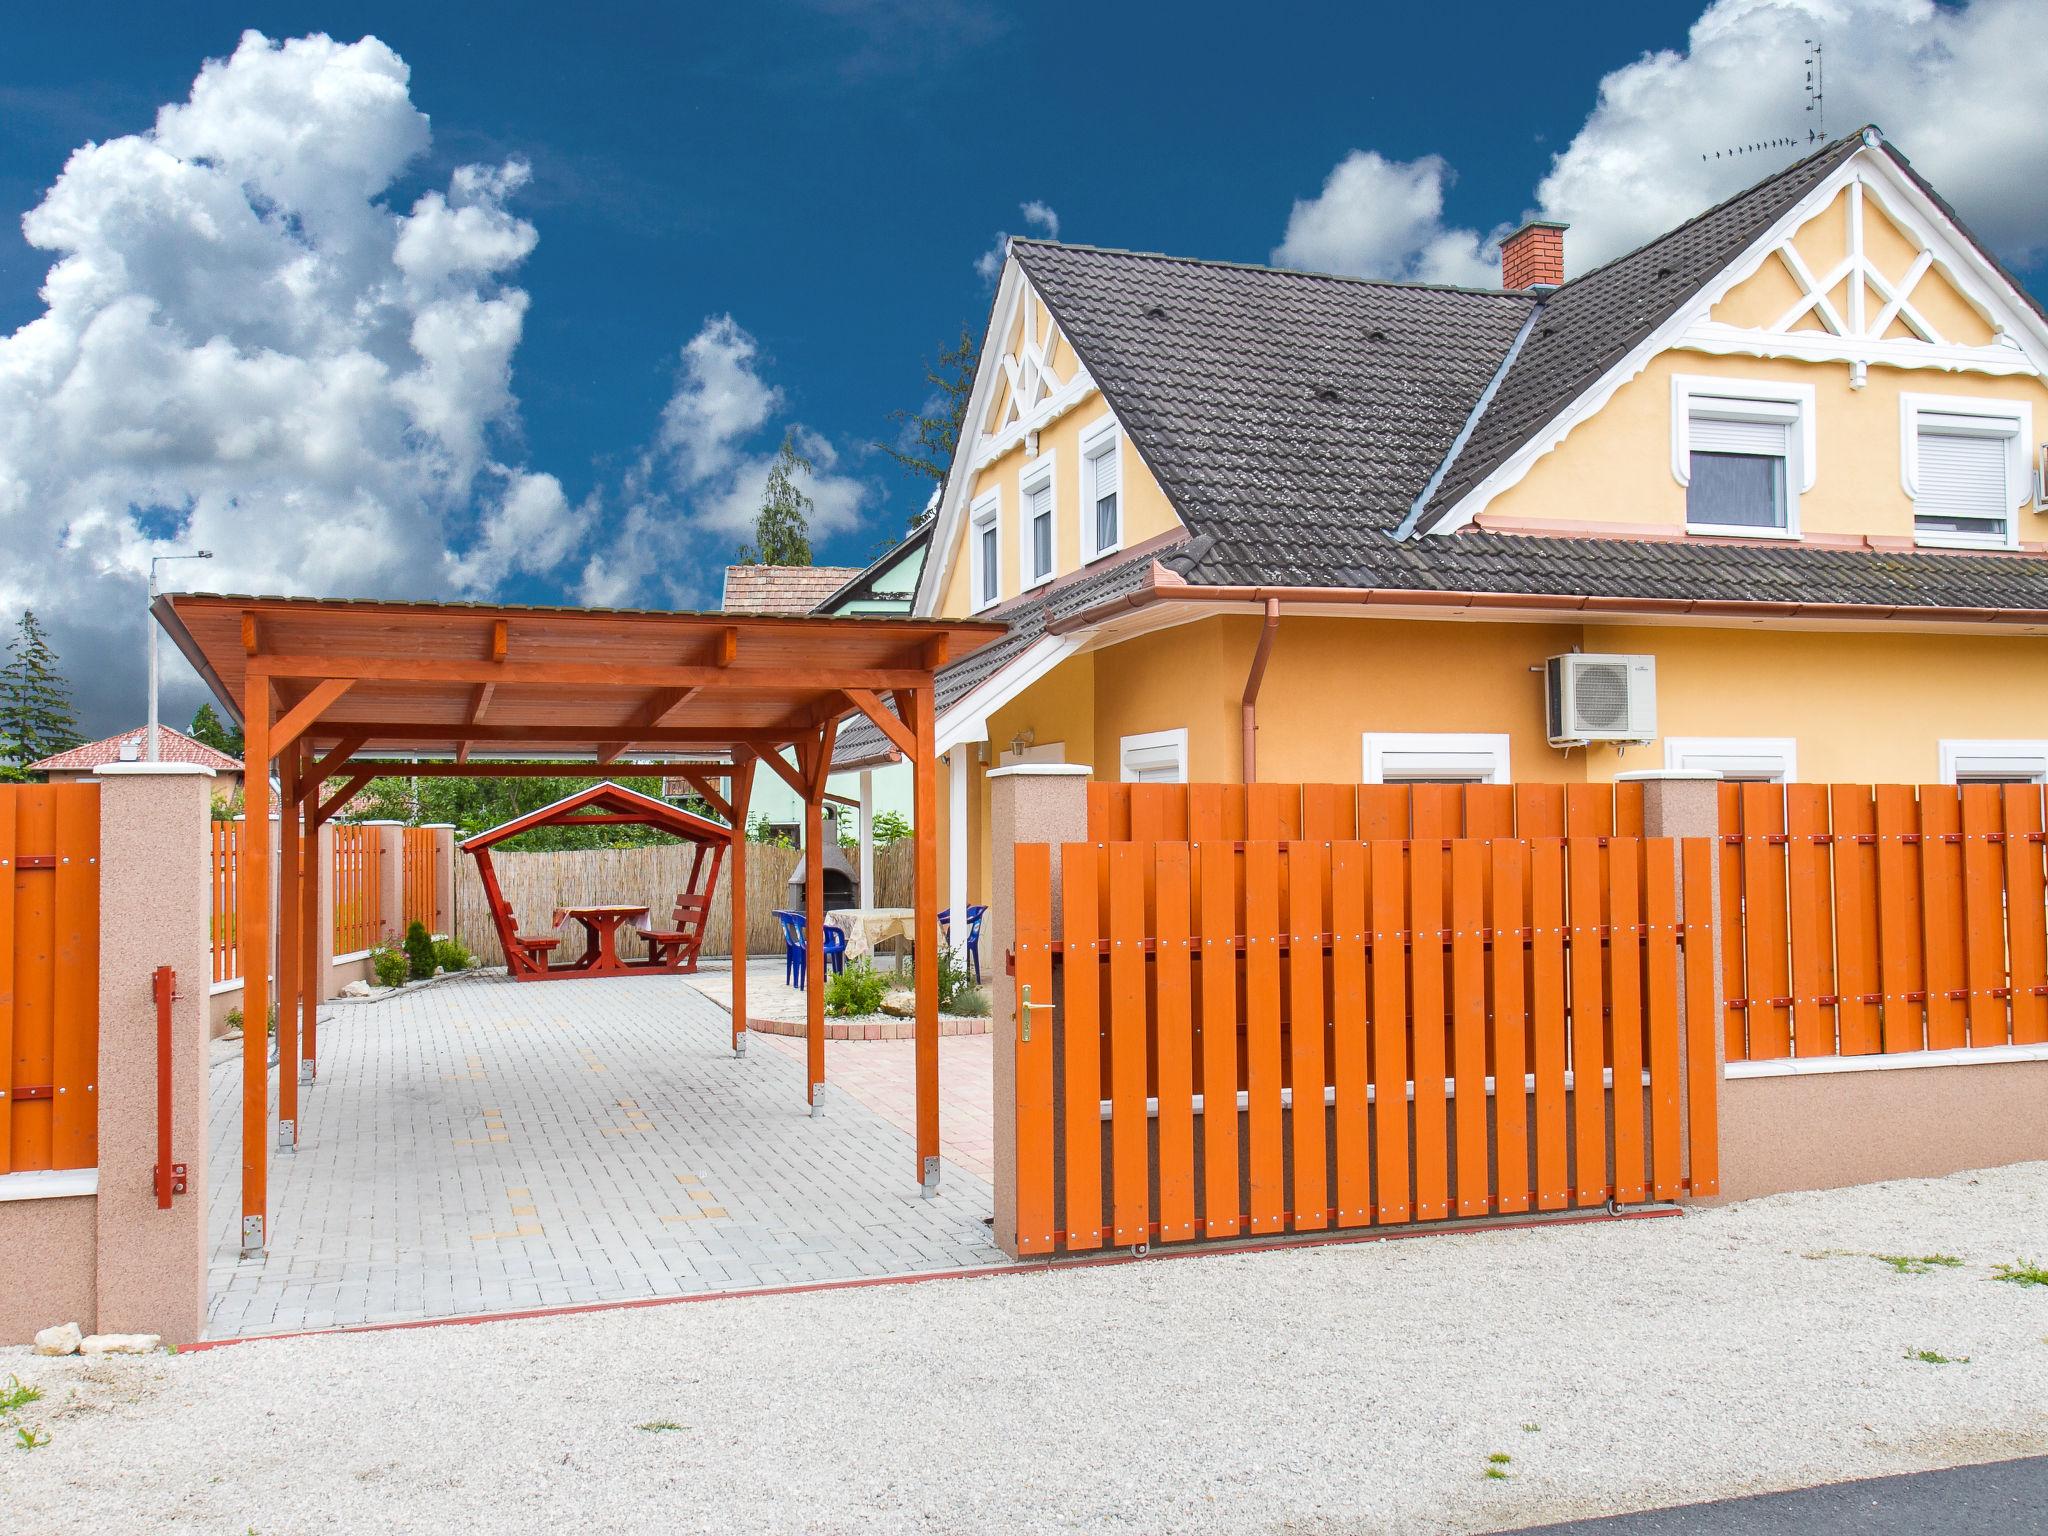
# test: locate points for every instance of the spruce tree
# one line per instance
(209, 728)
(36, 717)
(782, 530)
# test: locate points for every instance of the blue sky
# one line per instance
(827, 174)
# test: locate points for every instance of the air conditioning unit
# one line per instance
(1600, 698)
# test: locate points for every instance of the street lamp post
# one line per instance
(153, 749)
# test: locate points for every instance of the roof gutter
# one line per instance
(1408, 523)
(1394, 599)
(164, 614)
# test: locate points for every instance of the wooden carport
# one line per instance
(335, 692)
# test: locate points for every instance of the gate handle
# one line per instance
(1025, 1008)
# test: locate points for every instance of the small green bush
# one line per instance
(972, 1003)
(419, 951)
(233, 1019)
(390, 965)
(451, 955)
(855, 991)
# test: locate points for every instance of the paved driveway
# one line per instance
(485, 1146)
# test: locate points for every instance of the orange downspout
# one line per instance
(1257, 676)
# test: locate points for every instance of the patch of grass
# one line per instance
(1924, 1264)
(1500, 1458)
(26, 1439)
(660, 1426)
(2021, 1272)
(1497, 1466)
(14, 1395)
(1936, 1357)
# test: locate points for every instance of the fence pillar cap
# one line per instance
(152, 770)
(1041, 771)
(1670, 776)
(382, 821)
(436, 826)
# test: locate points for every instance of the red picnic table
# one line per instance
(601, 925)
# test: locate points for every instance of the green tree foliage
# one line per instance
(782, 529)
(36, 718)
(930, 435)
(419, 951)
(215, 732)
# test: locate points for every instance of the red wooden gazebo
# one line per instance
(672, 947)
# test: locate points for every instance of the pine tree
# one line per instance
(209, 728)
(782, 530)
(36, 717)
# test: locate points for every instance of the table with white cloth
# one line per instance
(867, 927)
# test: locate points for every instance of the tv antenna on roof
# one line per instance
(1816, 130)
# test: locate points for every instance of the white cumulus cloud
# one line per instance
(1040, 218)
(244, 346)
(1945, 83)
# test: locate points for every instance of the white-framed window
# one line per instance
(1751, 759)
(1994, 762)
(1416, 757)
(1155, 757)
(985, 550)
(1102, 498)
(1037, 523)
(1743, 450)
(1964, 463)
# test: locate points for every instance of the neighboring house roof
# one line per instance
(1295, 419)
(890, 580)
(173, 747)
(782, 588)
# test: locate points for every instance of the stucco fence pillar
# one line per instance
(1028, 803)
(105, 1256)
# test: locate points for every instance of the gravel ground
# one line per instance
(1343, 1388)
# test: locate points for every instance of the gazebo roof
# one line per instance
(609, 804)
(445, 679)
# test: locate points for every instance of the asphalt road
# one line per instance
(2003, 1497)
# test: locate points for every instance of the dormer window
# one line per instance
(1962, 464)
(1102, 522)
(1743, 452)
(985, 573)
(1037, 533)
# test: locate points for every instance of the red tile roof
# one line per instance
(174, 746)
(782, 588)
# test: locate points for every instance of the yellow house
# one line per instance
(1760, 497)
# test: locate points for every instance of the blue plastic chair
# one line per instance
(974, 917)
(796, 952)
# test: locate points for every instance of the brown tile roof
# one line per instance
(782, 588)
(174, 746)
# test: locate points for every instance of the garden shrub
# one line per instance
(419, 951)
(390, 965)
(855, 991)
(451, 955)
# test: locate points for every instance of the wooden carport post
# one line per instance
(290, 952)
(312, 976)
(815, 763)
(741, 793)
(252, 931)
(925, 905)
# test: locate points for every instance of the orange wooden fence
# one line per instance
(1441, 1001)
(419, 877)
(226, 882)
(1147, 812)
(1866, 919)
(49, 976)
(358, 889)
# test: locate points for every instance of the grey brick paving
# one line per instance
(483, 1146)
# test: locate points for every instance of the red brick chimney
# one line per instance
(1533, 256)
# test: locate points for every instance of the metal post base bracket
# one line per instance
(306, 1073)
(817, 1100)
(929, 1184)
(739, 1045)
(252, 1237)
(287, 1135)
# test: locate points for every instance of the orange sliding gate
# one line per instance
(1445, 1004)
(418, 851)
(49, 976)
